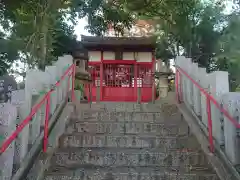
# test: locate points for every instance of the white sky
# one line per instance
(80, 28)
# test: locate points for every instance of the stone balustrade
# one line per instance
(216, 83)
(13, 113)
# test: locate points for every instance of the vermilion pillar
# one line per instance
(101, 77)
(153, 77)
(135, 82)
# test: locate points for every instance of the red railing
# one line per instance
(46, 99)
(209, 99)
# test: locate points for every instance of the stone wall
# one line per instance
(13, 113)
(226, 135)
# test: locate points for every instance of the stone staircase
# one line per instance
(127, 141)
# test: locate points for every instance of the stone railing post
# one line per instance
(39, 87)
(196, 91)
(182, 82)
(17, 100)
(52, 75)
(189, 84)
(219, 85)
(231, 133)
(8, 116)
(61, 92)
(204, 84)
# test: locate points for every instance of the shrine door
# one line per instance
(120, 82)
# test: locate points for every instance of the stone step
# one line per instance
(95, 115)
(132, 107)
(126, 173)
(122, 107)
(115, 157)
(158, 129)
(164, 108)
(157, 117)
(128, 141)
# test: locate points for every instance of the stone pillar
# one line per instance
(185, 81)
(181, 83)
(163, 79)
(182, 61)
(163, 86)
(23, 111)
(58, 77)
(231, 133)
(219, 85)
(18, 100)
(52, 75)
(189, 84)
(59, 73)
(204, 84)
(153, 80)
(7, 127)
(39, 86)
(62, 65)
(196, 91)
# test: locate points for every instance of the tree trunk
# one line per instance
(43, 44)
(178, 51)
(44, 34)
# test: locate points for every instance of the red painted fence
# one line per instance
(46, 99)
(210, 99)
(119, 80)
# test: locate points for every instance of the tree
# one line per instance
(228, 58)
(207, 34)
(7, 53)
(185, 27)
(165, 50)
(41, 32)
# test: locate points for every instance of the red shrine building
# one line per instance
(121, 68)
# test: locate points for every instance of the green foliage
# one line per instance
(101, 14)
(188, 27)
(165, 50)
(191, 31)
(207, 35)
(199, 30)
(228, 56)
(7, 53)
(194, 28)
(40, 31)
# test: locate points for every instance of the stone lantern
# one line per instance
(80, 56)
(162, 74)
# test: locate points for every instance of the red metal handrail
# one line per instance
(35, 108)
(209, 99)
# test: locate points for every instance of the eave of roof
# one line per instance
(90, 41)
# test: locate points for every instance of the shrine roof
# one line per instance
(90, 42)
